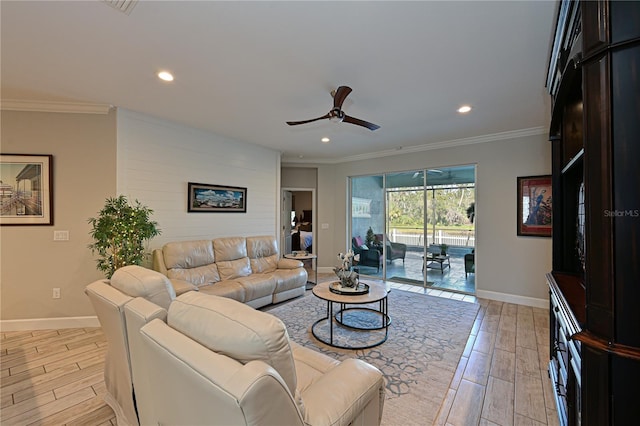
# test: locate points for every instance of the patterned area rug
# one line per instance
(426, 338)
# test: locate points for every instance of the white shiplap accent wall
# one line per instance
(157, 158)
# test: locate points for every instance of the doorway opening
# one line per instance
(298, 233)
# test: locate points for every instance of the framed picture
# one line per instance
(205, 198)
(26, 189)
(534, 206)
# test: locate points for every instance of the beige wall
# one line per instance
(84, 174)
(95, 157)
(508, 267)
(99, 156)
(299, 177)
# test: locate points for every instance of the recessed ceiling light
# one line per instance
(325, 139)
(165, 75)
(464, 108)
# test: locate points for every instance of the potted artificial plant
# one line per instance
(119, 233)
(443, 249)
(371, 237)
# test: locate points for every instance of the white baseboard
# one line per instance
(513, 298)
(49, 323)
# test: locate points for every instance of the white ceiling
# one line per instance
(244, 68)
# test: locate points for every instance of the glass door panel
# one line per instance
(404, 240)
(367, 220)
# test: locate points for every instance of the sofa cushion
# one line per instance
(263, 265)
(257, 286)
(263, 253)
(288, 279)
(235, 330)
(232, 269)
(201, 275)
(229, 248)
(188, 254)
(231, 289)
(136, 281)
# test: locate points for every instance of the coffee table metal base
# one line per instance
(339, 320)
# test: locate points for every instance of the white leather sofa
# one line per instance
(212, 360)
(246, 269)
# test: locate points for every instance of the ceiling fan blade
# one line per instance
(341, 94)
(357, 121)
(295, 123)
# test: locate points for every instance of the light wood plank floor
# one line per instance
(502, 376)
(54, 377)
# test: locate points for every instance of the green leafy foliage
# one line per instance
(446, 207)
(119, 232)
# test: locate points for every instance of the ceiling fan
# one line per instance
(336, 114)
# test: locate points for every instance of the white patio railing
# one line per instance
(440, 237)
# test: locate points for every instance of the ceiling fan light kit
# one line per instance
(336, 115)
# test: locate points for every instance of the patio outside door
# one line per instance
(402, 216)
(367, 220)
(404, 240)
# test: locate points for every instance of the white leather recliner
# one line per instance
(223, 363)
(108, 299)
(218, 361)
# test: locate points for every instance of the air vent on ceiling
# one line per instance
(124, 6)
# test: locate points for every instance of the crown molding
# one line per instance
(512, 134)
(54, 106)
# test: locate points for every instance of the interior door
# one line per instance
(285, 220)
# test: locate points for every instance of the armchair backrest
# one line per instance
(109, 306)
(252, 347)
(199, 386)
(109, 300)
(236, 330)
(263, 253)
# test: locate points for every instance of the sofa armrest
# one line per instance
(158, 262)
(340, 395)
(289, 264)
(182, 286)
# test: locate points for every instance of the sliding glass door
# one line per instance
(404, 242)
(367, 222)
(417, 226)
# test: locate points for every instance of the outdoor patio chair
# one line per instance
(394, 250)
(369, 256)
(469, 263)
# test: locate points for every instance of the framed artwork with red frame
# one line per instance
(534, 206)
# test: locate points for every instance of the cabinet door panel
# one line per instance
(595, 26)
(625, 19)
(598, 184)
(625, 79)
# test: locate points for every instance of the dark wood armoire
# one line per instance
(594, 82)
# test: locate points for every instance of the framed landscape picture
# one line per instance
(205, 198)
(26, 189)
(534, 206)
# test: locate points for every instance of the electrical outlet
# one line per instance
(56, 293)
(60, 235)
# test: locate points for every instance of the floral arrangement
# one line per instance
(348, 277)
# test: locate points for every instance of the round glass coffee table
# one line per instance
(348, 304)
